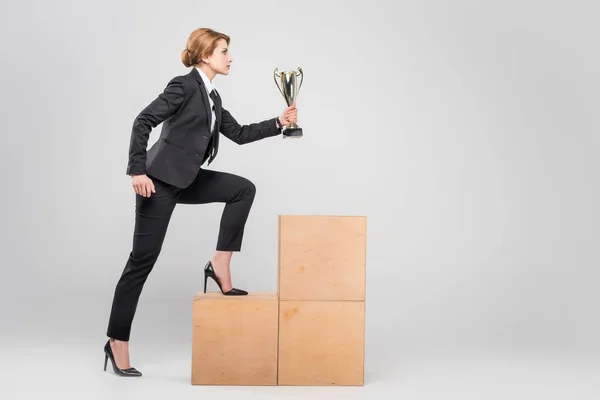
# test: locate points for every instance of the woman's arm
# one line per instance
(242, 134)
(156, 112)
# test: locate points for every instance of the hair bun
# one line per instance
(186, 57)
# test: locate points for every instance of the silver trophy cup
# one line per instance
(288, 86)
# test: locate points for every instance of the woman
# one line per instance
(170, 173)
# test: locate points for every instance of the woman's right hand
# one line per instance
(142, 185)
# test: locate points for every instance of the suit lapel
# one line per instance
(218, 111)
(217, 124)
(196, 75)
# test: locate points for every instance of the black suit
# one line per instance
(174, 165)
(184, 145)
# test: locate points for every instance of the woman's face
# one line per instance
(220, 60)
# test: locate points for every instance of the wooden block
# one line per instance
(321, 343)
(322, 257)
(234, 339)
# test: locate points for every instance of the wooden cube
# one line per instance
(321, 343)
(322, 257)
(234, 339)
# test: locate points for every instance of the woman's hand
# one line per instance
(289, 115)
(142, 185)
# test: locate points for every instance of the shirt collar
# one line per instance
(207, 83)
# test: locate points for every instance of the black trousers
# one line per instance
(152, 217)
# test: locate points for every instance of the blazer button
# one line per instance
(205, 137)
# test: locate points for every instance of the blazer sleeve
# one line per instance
(242, 134)
(156, 112)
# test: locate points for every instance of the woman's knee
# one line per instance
(247, 189)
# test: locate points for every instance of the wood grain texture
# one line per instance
(321, 343)
(234, 339)
(322, 257)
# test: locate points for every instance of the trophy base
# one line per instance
(292, 133)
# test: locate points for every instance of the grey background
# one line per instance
(465, 131)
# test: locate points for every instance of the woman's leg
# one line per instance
(238, 195)
(151, 221)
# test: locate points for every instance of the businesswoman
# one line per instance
(171, 172)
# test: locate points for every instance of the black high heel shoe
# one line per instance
(210, 272)
(122, 372)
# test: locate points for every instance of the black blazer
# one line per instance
(185, 141)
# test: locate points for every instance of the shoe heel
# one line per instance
(121, 372)
(210, 272)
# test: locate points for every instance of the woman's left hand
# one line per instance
(289, 115)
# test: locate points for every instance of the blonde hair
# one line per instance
(201, 42)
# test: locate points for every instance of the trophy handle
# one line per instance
(275, 74)
(301, 74)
